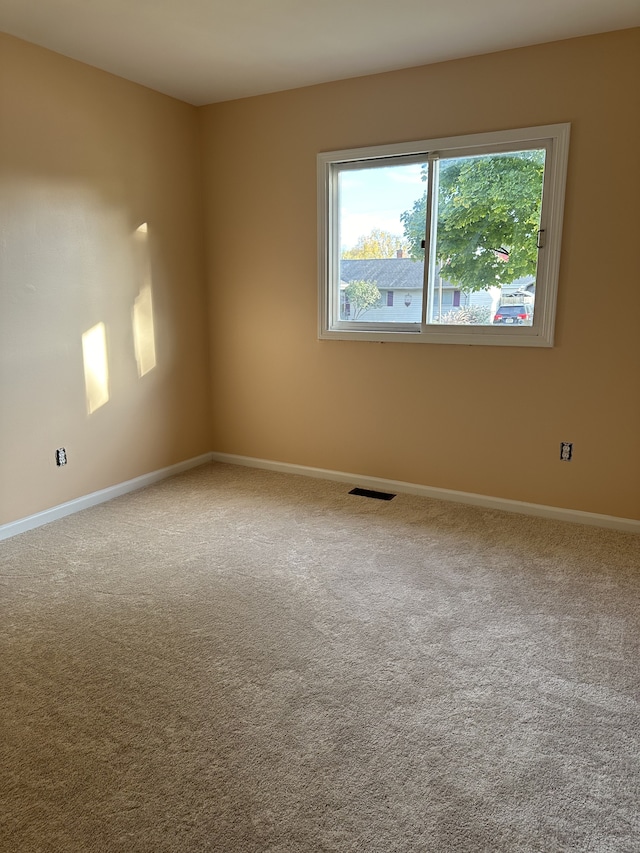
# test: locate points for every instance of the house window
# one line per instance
(474, 217)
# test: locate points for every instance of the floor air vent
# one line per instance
(370, 493)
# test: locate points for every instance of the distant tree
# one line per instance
(376, 244)
(488, 218)
(362, 295)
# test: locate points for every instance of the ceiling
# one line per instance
(203, 51)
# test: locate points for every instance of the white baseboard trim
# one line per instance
(68, 508)
(575, 516)
(613, 522)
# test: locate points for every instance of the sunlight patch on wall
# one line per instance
(96, 367)
(144, 338)
(143, 332)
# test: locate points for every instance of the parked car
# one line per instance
(514, 315)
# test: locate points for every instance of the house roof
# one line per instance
(403, 274)
(388, 273)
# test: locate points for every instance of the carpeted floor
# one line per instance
(236, 660)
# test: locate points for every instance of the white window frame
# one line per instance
(553, 138)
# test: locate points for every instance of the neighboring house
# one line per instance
(400, 280)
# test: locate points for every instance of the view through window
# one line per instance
(420, 243)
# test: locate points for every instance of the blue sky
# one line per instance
(375, 198)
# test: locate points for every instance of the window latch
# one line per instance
(540, 239)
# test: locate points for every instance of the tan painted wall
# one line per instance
(86, 158)
(432, 414)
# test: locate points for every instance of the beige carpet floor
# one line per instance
(237, 660)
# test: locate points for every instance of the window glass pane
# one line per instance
(381, 279)
(488, 218)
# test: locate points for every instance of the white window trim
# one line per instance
(555, 137)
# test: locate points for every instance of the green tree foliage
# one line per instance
(361, 296)
(376, 244)
(488, 218)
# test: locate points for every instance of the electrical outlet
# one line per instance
(61, 456)
(566, 451)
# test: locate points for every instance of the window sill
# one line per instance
(482, 336)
